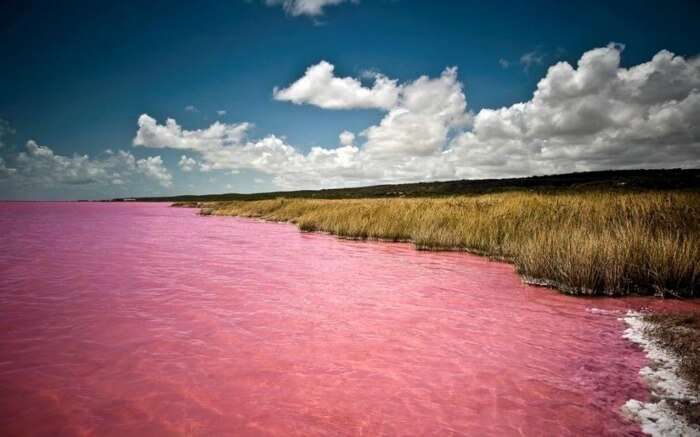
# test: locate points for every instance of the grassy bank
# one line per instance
(598, 243)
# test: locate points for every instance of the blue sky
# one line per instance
(77, 76)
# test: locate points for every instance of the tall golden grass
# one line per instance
(597, 243)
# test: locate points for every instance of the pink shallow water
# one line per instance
(140, 319)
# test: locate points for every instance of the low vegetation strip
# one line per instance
(594, 243)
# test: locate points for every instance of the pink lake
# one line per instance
(141, 319)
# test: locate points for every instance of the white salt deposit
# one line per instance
(656, 417)
(600, 311)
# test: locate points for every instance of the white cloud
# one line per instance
(420, 121)
(311, 8)
(221, 112)
(191, 108)
(39, 165)
(593, 116)
(152, 167)
(346, 138)
(219, 149)
(530, 59)
(221, 146)
(187, 164)
(504, 63)
(417, 125)
(320, 87)
(171, 135)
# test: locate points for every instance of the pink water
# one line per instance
(140, 319)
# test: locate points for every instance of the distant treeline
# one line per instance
(618, 180)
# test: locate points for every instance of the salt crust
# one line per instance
(656, 417)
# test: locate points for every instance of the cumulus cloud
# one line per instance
(171, 135)
(221, 112)
(152, 167)
(320, 86)
(191, 108)
(312, 8)
(591, 116)
(187, 164)
(221, 146)
(39, 165)
(597, 115)
(419, 122)
(421, 115)
(346, 138)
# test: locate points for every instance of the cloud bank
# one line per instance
(38, 166)
(594, 115)
(589, 116)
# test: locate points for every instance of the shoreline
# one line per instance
(606, 244)
(674, 401)
(539, 282)
(674, 406)
(529, 280)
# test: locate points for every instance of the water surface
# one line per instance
(140, 319)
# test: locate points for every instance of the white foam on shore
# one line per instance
(594, 310)
(656, 417)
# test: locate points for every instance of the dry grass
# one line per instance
(583, 243)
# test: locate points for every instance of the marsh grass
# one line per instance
(597, 243)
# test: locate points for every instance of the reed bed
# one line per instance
(594, 243)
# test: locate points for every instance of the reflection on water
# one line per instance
(127, 319)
